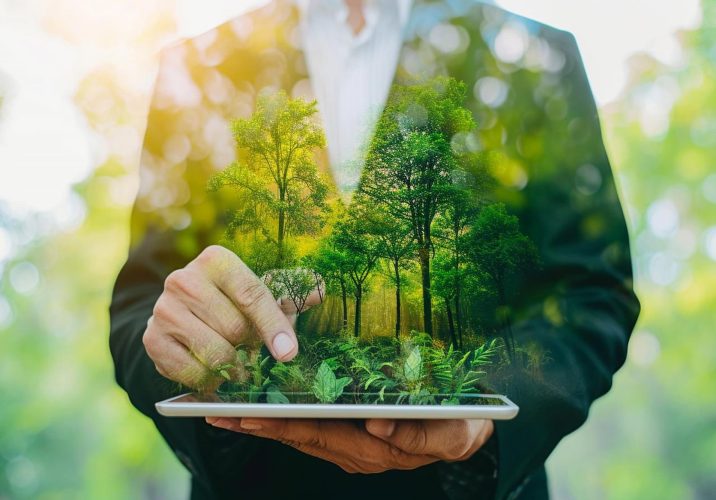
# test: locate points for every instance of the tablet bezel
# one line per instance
(173, 408)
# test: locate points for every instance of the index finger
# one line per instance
(253, 298)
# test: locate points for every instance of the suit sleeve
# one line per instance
(579, 308)
(172, 191)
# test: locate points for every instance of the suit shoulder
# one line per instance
(498, 15)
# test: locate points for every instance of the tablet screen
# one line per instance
(388, 399)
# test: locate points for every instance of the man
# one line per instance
(181, 304)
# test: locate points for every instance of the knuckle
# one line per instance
(162, 311)
(216, 356)
(458, 450)
(180, 282)
(173, 279)
(151, 341)
(236, 329)
(212, 254)
(251, 293)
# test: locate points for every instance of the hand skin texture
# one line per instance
(208, 308)
(371, 446)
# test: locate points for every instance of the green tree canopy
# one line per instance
(499, 249)
(410, 161)
(278, 170)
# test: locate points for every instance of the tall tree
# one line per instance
(397, 245)
(451, 227)
(333, 265)
(278, 171)
(409, 163)
(500, 251)
(361, 251)
(443, 286)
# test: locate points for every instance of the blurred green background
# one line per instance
(66, 430)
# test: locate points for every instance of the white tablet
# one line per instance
(492, 406)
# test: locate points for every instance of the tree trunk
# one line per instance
(359, 297)
(458, 309)
(451, 324)
(506, 322)
(396, 265)
(424, 254)
(281, 229)
(344, 297)
(458, 314)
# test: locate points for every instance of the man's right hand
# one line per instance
(207, 308)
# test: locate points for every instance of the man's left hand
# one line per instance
(371, 446)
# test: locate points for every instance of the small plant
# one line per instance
(413, 369)
(326, 387)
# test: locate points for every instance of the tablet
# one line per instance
(465, 406)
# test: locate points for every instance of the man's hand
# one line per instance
(207, 308)
(377, 445)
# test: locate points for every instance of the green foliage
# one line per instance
(495, 241)
(326, 387)
(414, 369)
(280, 191)
(409, 165)
(294, 285)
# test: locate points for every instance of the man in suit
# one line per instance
(181, 303)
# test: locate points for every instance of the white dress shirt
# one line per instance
(351, 74)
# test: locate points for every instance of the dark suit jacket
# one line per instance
(537, 116)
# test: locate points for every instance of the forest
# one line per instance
(420, 246)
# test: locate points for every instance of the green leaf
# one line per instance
(462, 361)
(371, 379)
(412, 366)
(275, 396)
(341, 384)
(324, 386)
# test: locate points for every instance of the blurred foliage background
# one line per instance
(66, 430)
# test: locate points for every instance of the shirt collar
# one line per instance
(340, 11)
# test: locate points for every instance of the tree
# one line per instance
(295, 284)
(279, 175)
(397, 244)
(443, 285)
(500, 250)
(451, 227)
(332, 265)
(360, 252)
(410, 159)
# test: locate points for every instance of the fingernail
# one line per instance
(283, 345)
(249, 425)
(381, 428)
